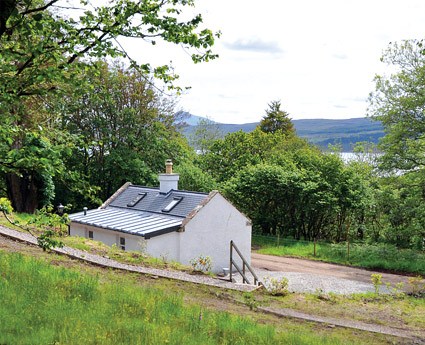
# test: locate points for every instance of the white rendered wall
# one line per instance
(209, 234)
(108, 237)
(163, 246)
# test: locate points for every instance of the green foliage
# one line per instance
(39, 64)
(5, 206)
(30, 166)
(399, 103)
(417, 286)
(192, 178)
(45, 226)
(376, 281)
(46, 240)
(236, 151)
(204, 135)
(250, 300)
(276, 286)
(276, 120)
(201, 263)
(42, 55)
(309, 194)
(126, 129)
(401, 200)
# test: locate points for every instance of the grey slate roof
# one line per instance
(146, 218)
(155, 202)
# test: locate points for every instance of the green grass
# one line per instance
(43, 304)
(379, 256)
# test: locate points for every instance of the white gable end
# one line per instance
(210, 231)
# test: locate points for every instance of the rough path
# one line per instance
(106, 262)
(417, 338)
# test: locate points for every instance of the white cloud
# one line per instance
(318, 57)
(254, 45)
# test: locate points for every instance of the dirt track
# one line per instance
(283, 264)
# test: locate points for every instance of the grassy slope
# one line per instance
(101, 306)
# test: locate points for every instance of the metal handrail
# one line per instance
(244, 264)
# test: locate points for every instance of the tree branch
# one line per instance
(38, 9)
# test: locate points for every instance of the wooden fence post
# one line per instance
(348, 249)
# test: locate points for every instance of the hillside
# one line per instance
(320, 132)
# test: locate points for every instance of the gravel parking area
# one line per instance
(313, 283)
(314, 276)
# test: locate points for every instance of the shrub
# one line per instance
(201, 263)
(275, 286)
(5, 206)
(377, 281)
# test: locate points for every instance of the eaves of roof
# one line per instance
(127, 221)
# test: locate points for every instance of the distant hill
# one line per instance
(189, 119)
(323, 132)
(320, 132)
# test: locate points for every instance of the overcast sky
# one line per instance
(318, 57)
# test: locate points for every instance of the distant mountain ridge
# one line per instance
(320, 132)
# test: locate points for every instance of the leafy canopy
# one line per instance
(399, 103)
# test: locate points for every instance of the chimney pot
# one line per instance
(168, 181)
(168, 166)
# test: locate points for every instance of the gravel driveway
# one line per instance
(314, 276)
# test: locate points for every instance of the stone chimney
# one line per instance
(168, 181)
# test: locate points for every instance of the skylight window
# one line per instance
(136, 199)
(172, 204)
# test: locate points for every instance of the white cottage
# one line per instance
(167, 222)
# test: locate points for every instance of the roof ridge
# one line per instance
(172, 190)
(115, 195)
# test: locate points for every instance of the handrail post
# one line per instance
(244, 266)
(231, 260)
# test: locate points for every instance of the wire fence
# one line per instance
(339, 252)
(290, 246)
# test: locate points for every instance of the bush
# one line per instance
(275, 286)
(201, 263)
(5, 206)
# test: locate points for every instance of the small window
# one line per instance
(122, 243)
(172, 204)
(91, 234)
(136, 199)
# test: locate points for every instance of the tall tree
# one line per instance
(40, 47)
(276, 120)
(310, 195)
(126, 128)
(205, 133)
(399, 103)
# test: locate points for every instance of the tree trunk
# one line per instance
(22, 192)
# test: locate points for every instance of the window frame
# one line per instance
(173, 203)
